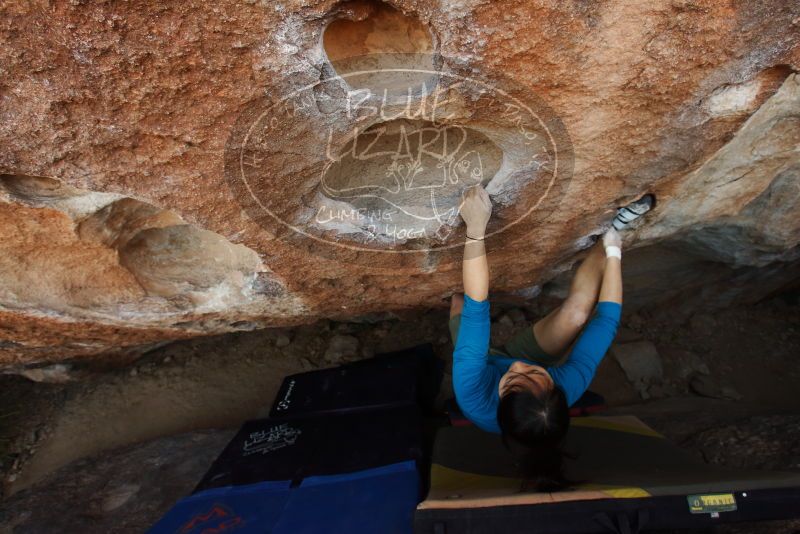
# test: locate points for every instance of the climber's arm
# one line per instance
(472, 378)
(473, 382)
(472, 346)
(476, 210)
(475, 270)
(575, 375)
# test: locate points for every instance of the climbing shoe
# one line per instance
(633, 211)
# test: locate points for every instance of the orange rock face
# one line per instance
(173, 169)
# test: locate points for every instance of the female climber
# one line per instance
(523, 392)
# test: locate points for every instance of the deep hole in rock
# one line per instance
(369, 27)
(370, 36)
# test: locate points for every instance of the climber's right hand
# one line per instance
(476, 209)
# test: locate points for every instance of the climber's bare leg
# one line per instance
(558, 329)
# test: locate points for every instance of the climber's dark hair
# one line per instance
(533, 429)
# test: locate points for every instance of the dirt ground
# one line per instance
(218, 382)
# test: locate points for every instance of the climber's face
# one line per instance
(526, 376)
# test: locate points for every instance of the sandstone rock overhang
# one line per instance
(123, 224)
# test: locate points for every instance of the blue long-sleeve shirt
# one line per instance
(476, 374)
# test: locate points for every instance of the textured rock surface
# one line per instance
(642, 364)
(774, 437)
(121, 226)
(123, 491)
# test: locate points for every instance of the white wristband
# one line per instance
(613, 252)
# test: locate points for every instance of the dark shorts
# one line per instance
(523, 345)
